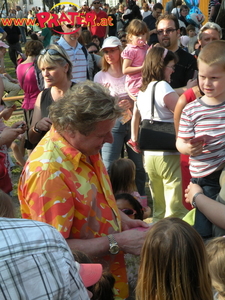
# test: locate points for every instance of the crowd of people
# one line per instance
(85, 232)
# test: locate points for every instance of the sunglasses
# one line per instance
(94, 51)
(53, 52)
(73, 26)
(129, 211)
(166, 31)
(96, 2)
(123, 41)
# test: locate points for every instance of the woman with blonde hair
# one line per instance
(112, 77)
(174, 264)
(56, 69)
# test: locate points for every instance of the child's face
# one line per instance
(211, 81)
(191, 33)
(169, 69)
(126, 207)
(96, 41)
(138, 40)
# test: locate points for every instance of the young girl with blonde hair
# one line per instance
(134, 56)
(174, 264)
(216, 255)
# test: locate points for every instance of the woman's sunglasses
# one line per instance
(94, 51)
(53, 52)
(129, 211)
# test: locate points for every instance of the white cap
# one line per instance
(84, 3)
(111, 42)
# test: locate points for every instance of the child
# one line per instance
(122, 176)
(216, 255)
(174, 264)
(134, 56)
(192, 37)
(131, 207)
(202, 127)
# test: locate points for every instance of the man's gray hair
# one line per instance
(210, 25)
(83, 106)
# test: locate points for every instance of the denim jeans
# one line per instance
(110, 152)
(211, 188)
(23, 34)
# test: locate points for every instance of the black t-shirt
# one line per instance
(12, 34)
(184, 69)
(150, 22)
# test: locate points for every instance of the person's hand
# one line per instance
(14, 81)
(131, 241)
(128, 223)
(191, 83)
(44, 124)
(125, 104)
(7, 112)
(195, 148)
(191, 190)
(9, 134)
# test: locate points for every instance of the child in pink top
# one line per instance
(134, 56)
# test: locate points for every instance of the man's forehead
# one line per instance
(165, 24)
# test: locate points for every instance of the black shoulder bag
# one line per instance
(156, 135)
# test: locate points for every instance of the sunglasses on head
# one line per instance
(53, 52)
(73, 26)
(129, 211)
(94, 51)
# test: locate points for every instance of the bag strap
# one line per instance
(24, 75)
(153, 101)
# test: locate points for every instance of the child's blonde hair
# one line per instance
(122, 176)
(216, 255)
(213, 53)
(136, 27)
(6, 206)
(174, 264)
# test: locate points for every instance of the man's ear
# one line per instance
(178, 32)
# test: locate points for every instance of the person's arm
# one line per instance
(213, 210)
(135, 122)
(129, 241)
(7, 112)
(181, 103)
(153, 31)
(2, 63)
(9, 134)
(42, 124)
(106, 32)
(170, 100)
(185, 146)
(190, 84)
(127, 69)
(4, 35)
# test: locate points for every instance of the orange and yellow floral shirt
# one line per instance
(59, 187)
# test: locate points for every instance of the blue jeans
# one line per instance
(110, 152)
(23, 34)
(211, 188)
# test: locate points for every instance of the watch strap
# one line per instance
(194, 199)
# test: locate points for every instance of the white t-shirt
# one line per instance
(161, 112)
(145, 13)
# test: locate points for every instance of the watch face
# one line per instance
(114, 249)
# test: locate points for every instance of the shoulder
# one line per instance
(185, 56)
(99, 76)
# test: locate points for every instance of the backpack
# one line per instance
(96, 68)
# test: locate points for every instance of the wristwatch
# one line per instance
(113, 245)
(195, 196)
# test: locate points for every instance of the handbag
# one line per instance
(156, 135)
